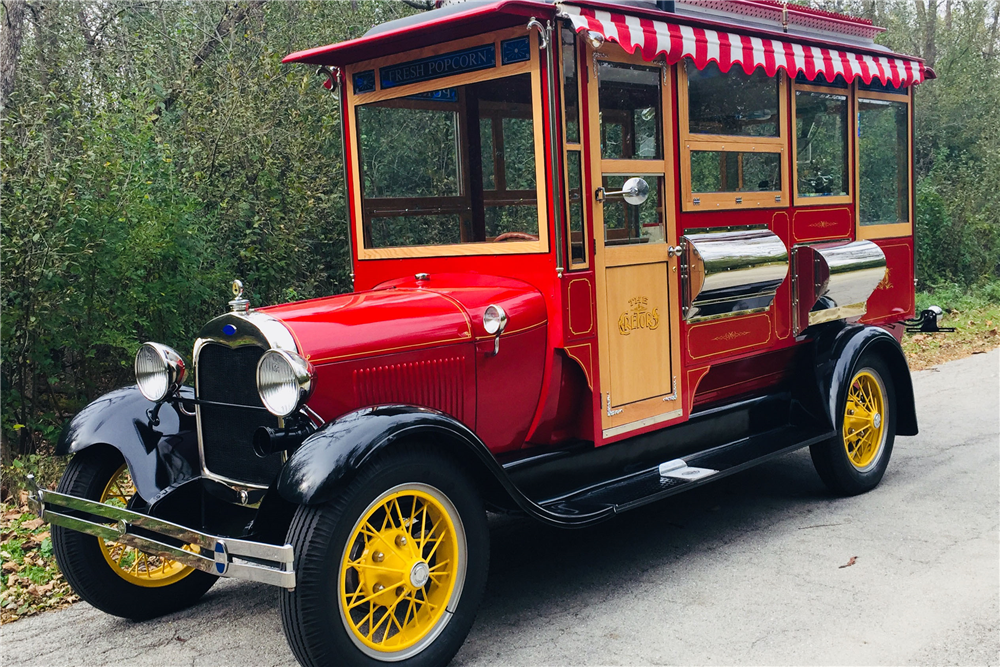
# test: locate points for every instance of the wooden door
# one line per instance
(637, 272)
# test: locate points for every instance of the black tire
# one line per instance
(831, 459)
(82, 561)
(322, 535)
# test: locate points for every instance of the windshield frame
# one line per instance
(354, 100)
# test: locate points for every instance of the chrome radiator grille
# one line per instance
(229, 375)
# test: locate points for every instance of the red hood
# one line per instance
(372, 323)
(405, 315)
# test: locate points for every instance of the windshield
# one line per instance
(450, 166)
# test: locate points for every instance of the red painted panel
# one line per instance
(442, 378)
(474, 292)
(822, 224)
(745, 376)
(694, 376)
(509, 385)
(433, 383)
(367, 324)
(894, 298)
(583, 354)
(567, 413)
(737, 335)
(580, 306)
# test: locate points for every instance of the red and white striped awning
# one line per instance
(701, 45)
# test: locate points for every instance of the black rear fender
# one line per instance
(159, 456)
(838, 349)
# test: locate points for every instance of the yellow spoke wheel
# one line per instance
(865, 420)
(132, 565)
(401, 572)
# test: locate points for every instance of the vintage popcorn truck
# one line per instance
(603, 253)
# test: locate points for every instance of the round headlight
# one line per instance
(284, 381)
(494, 319)
(159, 371)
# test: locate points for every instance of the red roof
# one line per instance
(477, 18)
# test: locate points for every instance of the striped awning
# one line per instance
(676, 41)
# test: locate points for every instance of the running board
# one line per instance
(670, 477)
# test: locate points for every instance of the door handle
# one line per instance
(675, 251)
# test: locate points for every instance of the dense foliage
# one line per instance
(153, 150)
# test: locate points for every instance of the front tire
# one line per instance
(855, 461)
(393, 570)
(115, 578)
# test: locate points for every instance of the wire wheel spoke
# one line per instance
(402, 535)
(133, 565)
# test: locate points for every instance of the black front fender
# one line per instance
(838, 350)
(330, 458)
(158, 456)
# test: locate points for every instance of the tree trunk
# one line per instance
(10, 46)
(994, 31)
(930, 31)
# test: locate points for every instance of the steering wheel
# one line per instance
(516, 236)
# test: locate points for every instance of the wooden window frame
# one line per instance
(663, 166)
(530, 67)
(690, 142)
(849, 161)
(892, 229)
(568, 147)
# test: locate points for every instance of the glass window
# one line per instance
(415, 230)
(733, 103)
(571, 97)
(883, 162)
(577, 243)
(519, 153)
(426, 137)
(511, 220)
(414, 153)
(487, 154)
(625, 223)
(726, 171)
(877, 86)
(821, 144)
(630, 111)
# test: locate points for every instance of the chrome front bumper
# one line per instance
(229, 557)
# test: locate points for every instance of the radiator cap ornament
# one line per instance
(239, 304)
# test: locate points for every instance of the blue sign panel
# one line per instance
(515, 50)
(443, 95)
(364, 82)
(425, 69)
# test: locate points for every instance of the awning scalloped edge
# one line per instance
(702, 45)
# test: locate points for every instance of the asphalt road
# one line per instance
(745, 571)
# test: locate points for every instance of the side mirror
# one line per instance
(635, 191)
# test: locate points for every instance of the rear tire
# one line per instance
(155, 588)
(392, 570)
(855, 461)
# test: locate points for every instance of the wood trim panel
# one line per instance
(571, 147)
(656, 410)
(823, 200)
(892, 230)
(717, 201)
(530, 67)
